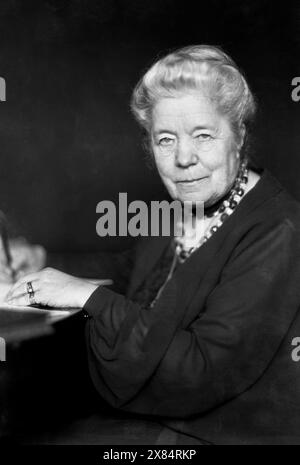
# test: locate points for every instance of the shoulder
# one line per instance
(269, 203)
(268, 218)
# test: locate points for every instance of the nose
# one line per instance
(186, 154)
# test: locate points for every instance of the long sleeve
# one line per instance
(144, 361)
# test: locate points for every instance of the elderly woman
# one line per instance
(199, 333)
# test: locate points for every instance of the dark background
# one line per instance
(67, 137)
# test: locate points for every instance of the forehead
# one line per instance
(185, 111)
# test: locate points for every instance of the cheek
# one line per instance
(164, 163)
(224, 170)
(218, 157)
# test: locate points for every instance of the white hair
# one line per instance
(205, 68)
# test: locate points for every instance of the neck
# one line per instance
(210, 209)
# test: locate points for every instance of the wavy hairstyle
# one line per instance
(203, 68)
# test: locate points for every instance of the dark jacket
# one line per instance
(213, 358)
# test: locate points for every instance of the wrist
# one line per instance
(86, 290)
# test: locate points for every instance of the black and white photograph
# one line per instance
(149, 226)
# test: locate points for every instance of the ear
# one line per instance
(242, 136)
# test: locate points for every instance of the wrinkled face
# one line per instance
(194, 148)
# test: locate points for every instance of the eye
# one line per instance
(165, 141)
(203, 136)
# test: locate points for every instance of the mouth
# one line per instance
(190, 182)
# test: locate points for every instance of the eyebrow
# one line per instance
(207, 126)
(196, 128)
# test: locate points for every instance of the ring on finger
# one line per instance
(30, 292)
(29, 288)
(32, 299)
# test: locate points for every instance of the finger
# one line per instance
(21, 297)
(20, 288)
(19, 274)
(32, 277)
(19, 292)
(6, 275)
(22, 300)
(18, 259)
(28, 257)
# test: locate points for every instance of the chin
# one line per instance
(192, 197)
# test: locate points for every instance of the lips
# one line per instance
(190, 181)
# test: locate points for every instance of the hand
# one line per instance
(52, 288)
(25, 258)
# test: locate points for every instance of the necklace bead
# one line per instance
(213, 229)
(223, 217)
(232, 204)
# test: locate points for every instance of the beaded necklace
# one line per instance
(224, 211)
